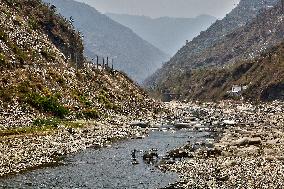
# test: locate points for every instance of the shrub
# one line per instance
(39, 125)
(2, 59)
(24, 87)
(48, 55)
(91, 114)
(52, 122)
(83, 99)
(47, 104)
(22, 56)
(33, 24)
(6, 94)
(103, 98)
(18, 20)
(3, 36)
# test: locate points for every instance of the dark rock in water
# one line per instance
(134, 162)
(181, 125)
(140, 124)
(150, 155)
(178, 153)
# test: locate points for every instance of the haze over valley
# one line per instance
(122, 94)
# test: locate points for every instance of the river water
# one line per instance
(109, 167)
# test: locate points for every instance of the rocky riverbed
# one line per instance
(248, 153)
(242, 150)
(22, 152)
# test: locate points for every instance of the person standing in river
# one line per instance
(134, 154)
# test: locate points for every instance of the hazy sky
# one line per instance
(158, 8)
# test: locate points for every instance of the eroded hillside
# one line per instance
(44, 74)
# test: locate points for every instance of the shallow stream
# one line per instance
(109, 167)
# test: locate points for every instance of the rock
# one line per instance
(249, 151)
(213, 152)
(268, 151)
(140, 124)
(178, 153)
(247, 141)
(273, 142)
(229, 122)
(150, 155)
(270, 158)
(182, 125)
(230, 163)
(223, 178)
(280, 158)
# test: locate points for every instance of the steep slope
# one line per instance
(38, 80)
(204, 49)
(105, 37)
(262, 76)
(168, 34)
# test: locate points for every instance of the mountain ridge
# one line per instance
(244, 42)
(166, 33)
(238, 17)
(105, 37)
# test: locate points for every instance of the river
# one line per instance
(109, 167)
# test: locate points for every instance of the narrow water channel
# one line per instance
(109, 167)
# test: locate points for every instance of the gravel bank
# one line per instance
(22, 152)
(248, 153)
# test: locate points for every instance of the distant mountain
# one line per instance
(262, 77)
(251, 28)
(168, 34)
(105, 37)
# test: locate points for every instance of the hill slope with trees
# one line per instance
(245, 42)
